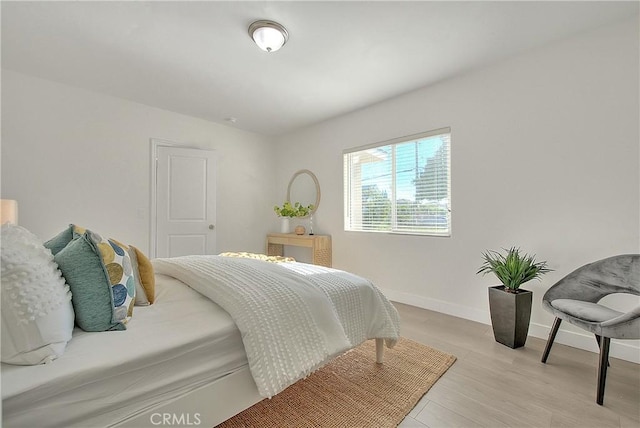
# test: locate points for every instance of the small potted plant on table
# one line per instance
(509, 305)
(287, 211)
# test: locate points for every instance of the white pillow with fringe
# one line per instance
(37, 315)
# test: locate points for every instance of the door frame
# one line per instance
(155, 143)
(153, 208)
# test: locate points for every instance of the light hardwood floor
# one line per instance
(491, 385)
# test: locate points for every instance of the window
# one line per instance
(400, 186)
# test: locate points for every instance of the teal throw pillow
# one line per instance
(100, 276)
(58, 242)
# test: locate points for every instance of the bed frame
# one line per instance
(211, 404)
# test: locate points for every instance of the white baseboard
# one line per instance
(441, 306)
(619, 349)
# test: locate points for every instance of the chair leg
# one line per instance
(598, 341)
(602, 368)
(552, 337)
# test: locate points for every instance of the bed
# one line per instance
(187, 360)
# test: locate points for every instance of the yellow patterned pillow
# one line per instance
(100, 275)
(142, 270)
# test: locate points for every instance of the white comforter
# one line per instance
(293, 317)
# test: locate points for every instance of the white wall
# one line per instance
(74, 156)
(545, 156)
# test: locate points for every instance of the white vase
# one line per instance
(285, 226)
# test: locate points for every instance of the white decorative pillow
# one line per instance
(37, 315)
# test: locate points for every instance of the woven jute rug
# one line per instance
(353, 391)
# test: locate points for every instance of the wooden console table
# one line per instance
(320, 246)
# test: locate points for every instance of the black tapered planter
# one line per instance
(510, 315)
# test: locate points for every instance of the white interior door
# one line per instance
(185, 201)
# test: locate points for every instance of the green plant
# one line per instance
(512, 269)
(295, 210)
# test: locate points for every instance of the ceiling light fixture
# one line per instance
(268, 35)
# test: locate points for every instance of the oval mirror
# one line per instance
(304, 188)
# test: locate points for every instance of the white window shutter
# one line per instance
(400, 186)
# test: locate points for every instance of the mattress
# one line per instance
(177, 345)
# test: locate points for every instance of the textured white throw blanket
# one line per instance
(293, 317)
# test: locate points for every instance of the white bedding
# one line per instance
(294, 317)
(110, 377)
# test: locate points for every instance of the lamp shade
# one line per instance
(8, 211)
(268, 35)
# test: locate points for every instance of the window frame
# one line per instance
(393, 144)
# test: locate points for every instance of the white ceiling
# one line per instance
(196, 58)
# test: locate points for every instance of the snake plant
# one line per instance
(512, 269)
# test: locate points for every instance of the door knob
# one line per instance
(211, 227)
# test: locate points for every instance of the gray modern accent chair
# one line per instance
(575, 299)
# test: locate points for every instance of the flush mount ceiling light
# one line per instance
(268, 35)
